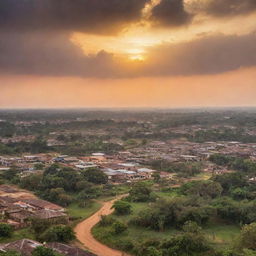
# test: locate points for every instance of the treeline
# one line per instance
(183, 169)
(39, 145)
(148, 134)
(8, 129)
(74, 145)
(221, 135)
(207, 118)
(88, 148)
(236, 163)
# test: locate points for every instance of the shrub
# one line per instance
(119, 227)
(125, 245)
(5, 230)
(43, 251)
(106, 220)
(58, 233)
(122, 207)
(140, 192)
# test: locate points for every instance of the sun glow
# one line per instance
(136, 54)
(137, 57)
(125, 44)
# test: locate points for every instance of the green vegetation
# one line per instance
(63, 185)
(77, 212)
(199, 218)
(182, 169)
(236, 163)
(43, 251)
(222, 135)
(10, 253)
(122, 208)
(58, 233)
(5, 230)
(248, 237)
(140, 192)
(17, 235)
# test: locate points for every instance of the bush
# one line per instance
(122, 207)
(119, 227)
(39, 225)
(96, 176)
(125, 245)
(58, 233)
(106, 220)
(5, 230)
(248, 237)
(140, 192)
(43, 251)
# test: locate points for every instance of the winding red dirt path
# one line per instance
(84, 234)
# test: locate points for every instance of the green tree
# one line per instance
(31, 182)
(140, 192)
(122, 207)
(248, 237)
(11, 173)
(53, 169)
(202, 188)
(95, 176)
(58, 233)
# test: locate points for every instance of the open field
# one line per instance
(78, 212)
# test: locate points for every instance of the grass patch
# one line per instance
(203, 176)
(77, 212)
(222, 234)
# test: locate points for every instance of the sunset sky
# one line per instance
(127, 53)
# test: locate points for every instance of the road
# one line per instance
(84, 235)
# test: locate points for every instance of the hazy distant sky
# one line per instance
(127, 53)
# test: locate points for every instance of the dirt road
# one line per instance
(84, 235)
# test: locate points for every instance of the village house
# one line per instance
(17, 210)
(38, 204)
(27, 246)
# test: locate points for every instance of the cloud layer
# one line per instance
(170, 13)
(100, 16)
(231, 7)
(207, 55)
(35, 38)
(57, 56)
(224, 8)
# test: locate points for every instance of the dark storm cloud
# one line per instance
(170, 13)
(49, 54)
(101, 16)
(55, 55)
(225, 8)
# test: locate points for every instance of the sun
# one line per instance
(136, 54)
(137, 57)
